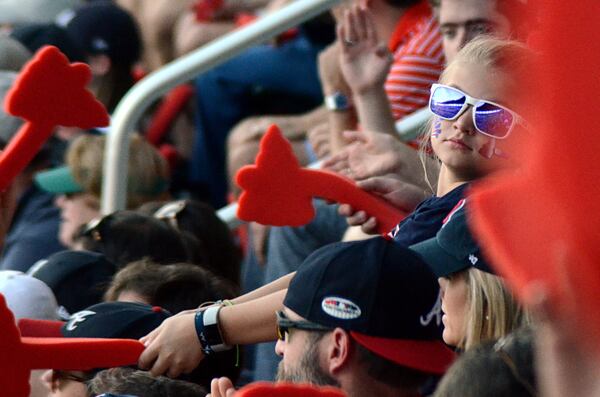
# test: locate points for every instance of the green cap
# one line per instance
(58, 180)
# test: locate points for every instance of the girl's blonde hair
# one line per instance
(508, 56)
(492, 311)
(148, 172)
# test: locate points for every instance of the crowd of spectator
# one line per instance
(419, 311)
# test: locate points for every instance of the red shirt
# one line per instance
(418, 60)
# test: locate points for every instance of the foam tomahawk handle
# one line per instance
(22, 354)
(278, 192)
(48, 92)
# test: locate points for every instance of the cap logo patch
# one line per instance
(340, 308)
(77, 318)
(473, 259)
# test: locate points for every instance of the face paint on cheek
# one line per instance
(437, 128)
(488, 149)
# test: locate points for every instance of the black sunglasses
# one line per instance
(284, 324)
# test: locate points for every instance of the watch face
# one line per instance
(342, 101)
(337, 101)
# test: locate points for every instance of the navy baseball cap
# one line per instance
(453, 249)
(111, 320)
(77, 278)
(379, 291)
(103, 27)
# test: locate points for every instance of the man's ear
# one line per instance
(339, 350)
(100, 64)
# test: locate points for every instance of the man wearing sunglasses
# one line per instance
(360, 316)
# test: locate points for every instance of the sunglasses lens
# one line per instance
(446, 102)
(281, 332)
(493, 120)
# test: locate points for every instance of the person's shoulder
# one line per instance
(425, 40)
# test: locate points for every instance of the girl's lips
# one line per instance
(458, 144)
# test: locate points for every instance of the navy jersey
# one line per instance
(426, 220)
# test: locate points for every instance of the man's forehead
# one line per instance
(466, 11)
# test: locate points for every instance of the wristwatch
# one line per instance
(338, 102)
(207, 329)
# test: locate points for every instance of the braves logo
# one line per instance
(77, 318)
(434, 313)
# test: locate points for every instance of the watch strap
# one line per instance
(208, 331)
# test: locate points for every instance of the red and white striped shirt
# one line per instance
(418, 60)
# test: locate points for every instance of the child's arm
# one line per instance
(274, 286)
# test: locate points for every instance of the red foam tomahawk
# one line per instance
(48, 92)
(22, 354)
(278, 192)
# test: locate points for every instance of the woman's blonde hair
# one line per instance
(492, 311)
(148, 172)
(509, 56)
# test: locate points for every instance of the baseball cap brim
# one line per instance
(58, 181)
(431, 356)
(439, 260)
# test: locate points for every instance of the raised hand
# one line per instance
(372, 154)
(365, 61)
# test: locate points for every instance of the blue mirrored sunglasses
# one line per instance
(489, 118)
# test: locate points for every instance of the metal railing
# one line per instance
(151, 88)
(143, 94)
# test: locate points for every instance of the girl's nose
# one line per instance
(464, 122)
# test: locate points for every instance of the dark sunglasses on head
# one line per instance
(489, 118)
(94, 227)
(170, 211)
(284, 324)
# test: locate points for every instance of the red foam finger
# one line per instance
(22, 354)
(274, 190)
(541, 226)
(48, 92)
(51, 91)
(278, 192)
